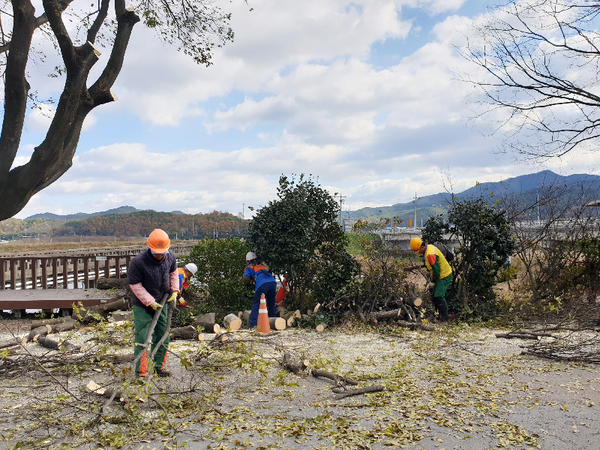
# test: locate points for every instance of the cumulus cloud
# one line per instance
(296, 92)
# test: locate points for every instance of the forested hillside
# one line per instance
(139, 223)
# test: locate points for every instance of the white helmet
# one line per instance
(192, 268)
(250, 256)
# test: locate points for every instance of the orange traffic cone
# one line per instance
(262, 325)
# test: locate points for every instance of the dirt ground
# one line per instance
(457, 387)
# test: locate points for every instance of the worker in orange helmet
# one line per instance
(151, 275)
(440, 271)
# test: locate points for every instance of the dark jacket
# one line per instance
(152, 273)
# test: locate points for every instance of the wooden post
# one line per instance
(44, 263)
(55, 272)
(13, 274)
(107, 267)
(23, 266)
(65, 262)
(34, 262)
(3, 273)
(97, 269)
(86, 272)
(75, 273)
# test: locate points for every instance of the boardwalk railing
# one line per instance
(71, 269)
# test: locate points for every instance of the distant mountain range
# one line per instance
(524, 185)
(527, 186)
(83, 216)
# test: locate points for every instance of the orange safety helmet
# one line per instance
(416, 244)
(159, 241)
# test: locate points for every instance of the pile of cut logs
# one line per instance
(234, 322)
(399, 306)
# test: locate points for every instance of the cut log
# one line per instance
(280, 311)
(290, 318)
(211, 328)
(240, 314)
(207, 322)
(41, 322)
(309, 312)
(277, 323)
(385, 315)
(112, 283)
(321, 327)
(412, 299)
(104, 310)
(62, 326)
(290, 364)
(232, 322)
(188, 333)
(316, 308)
(55, 345)
(39, 331)
(246, 317)
(205, 319)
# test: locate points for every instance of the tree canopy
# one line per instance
(195, 27)
(298, 235)
(484, 245)
(540, 59)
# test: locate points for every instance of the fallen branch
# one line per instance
(337, 379)
(343, 393)
(523, 335)
(55, 345)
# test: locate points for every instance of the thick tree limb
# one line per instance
(343, 393)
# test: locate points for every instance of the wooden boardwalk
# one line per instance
(45, 299)
(59, 279)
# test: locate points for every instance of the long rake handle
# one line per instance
(144, 346)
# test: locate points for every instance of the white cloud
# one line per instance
(297, 92)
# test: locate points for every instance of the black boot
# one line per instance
(442, 308)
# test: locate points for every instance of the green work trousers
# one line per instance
(142, 318)
(439, 296)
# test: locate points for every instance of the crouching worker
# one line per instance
(264, 283)
(440, 271)
(151, 275)
(184, 275)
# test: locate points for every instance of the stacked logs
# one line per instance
(399, 306)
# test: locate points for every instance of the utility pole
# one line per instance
(415, 222)
(342, 197)
(243, 210)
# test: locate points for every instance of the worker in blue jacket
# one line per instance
(264, 283)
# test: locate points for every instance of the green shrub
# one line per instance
(221, 263)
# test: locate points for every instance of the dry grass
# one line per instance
(26, 246)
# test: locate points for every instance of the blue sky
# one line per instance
(363, 94)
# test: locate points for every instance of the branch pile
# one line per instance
(570, 335)
(291, 364)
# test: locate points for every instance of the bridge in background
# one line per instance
(64, 277)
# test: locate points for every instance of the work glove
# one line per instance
(155, 306)
(172, 297)
(431, 285)
(182, 302)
